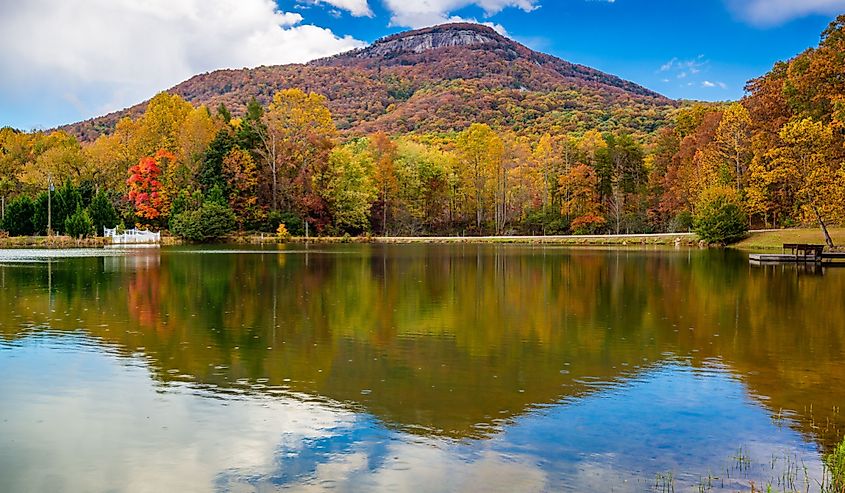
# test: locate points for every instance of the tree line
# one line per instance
(774, 159)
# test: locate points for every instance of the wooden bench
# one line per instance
(804, 251)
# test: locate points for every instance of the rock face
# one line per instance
(429, 40)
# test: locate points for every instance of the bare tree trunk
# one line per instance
(384, 212)
(618, 203)
(827, 239)
(270, 156)
(738, 171)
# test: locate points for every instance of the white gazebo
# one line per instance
(132, 236)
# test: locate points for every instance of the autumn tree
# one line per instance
(57, 156)
(621, 176)
(688, 174)
(424, 198)
(15, 152)
(662, 159)
(146, 193)
(733, 141)
(109, 155)
(384, 157)
(481, 151)
(548, 161)
(160, 126)
(195, 134)
(580, 186)
(818, 179)
(297, 135)
(347, 186)
(241, 175)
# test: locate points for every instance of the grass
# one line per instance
(835, 466)
(774, 239)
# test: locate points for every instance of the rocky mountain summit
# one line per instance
(437, 79)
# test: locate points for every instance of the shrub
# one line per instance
(682, 222)
(210, 222)
(587, 224)
(548, 221)
(78, 224)
(282, 232)
(719, 216)
(18, 220)
(102, 213)
(292, 222)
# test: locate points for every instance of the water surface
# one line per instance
(416, 368)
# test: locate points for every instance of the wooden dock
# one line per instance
(800, 254)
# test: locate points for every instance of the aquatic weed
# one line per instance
(834, 463)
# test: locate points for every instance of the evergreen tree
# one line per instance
(18, 220)
(211, 168)
(102, 213)
(78, 224)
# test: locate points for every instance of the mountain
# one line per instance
(437, 79)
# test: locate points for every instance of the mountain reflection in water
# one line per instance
(418, 368)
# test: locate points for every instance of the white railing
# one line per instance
(132, 236)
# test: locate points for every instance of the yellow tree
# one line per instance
(111, 157)
(160, 125)
(545, 157)
(516, 161)
(347, 186)
(805, 157)
(384, 155)
(57, 156)
(195, 134)
(296, 136)
(15, 152)
(480, 151)
(733, 140)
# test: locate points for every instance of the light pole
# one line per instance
(49, 204)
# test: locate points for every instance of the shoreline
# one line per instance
(667, 239)
(770, 239)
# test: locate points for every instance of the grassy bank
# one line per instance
(52, 242)
(774, 239)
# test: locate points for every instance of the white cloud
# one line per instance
(710, 84)
(431, 12)
(771, 12)
(66, 60)
(358, 8)
(683, 69)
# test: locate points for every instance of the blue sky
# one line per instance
(67, 60)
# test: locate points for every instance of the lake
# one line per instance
(416, 368)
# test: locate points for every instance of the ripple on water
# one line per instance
(33, 255)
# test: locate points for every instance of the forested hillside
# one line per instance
(439, 79)
(501, 140)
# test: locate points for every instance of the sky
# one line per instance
(67, 60)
